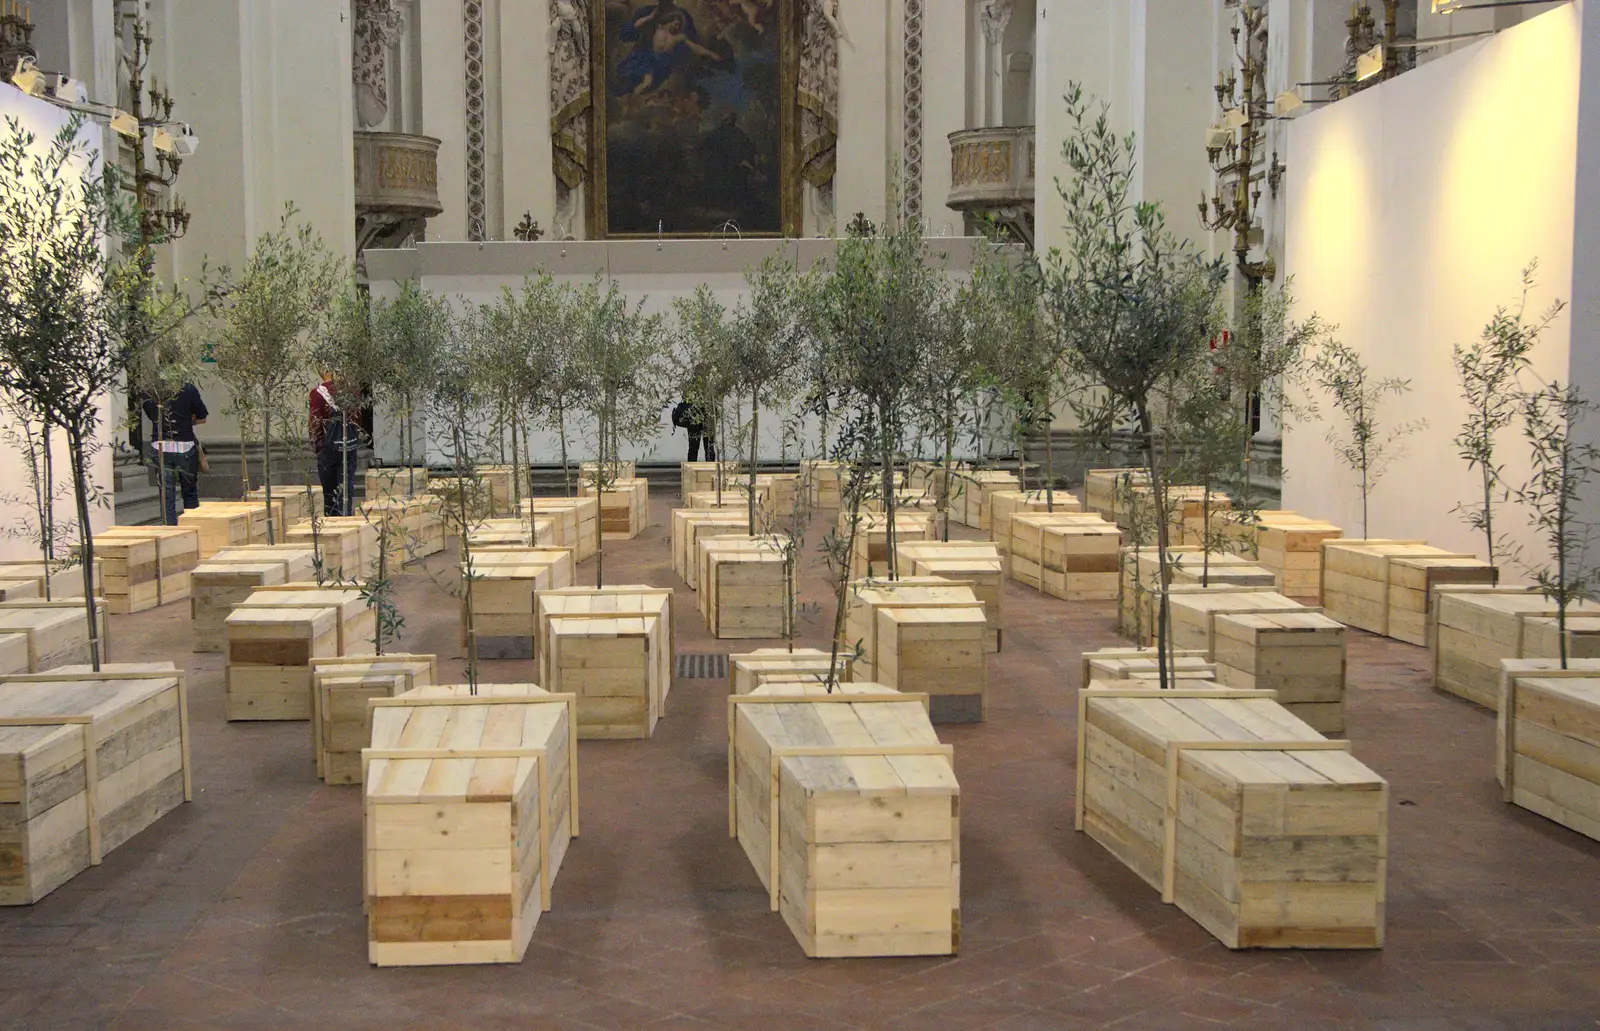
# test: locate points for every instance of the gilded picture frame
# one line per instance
(684, 138)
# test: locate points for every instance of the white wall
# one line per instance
(44, 121)
(1411, 209)
(655, 273)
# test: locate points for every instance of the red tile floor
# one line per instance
(243, 909)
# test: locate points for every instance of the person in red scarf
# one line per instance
(336, 439)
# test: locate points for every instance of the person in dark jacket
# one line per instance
(173, 446)
(336, 439)
(692, 418)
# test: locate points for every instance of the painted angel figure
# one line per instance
(664, 37)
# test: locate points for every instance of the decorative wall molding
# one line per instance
(911, 118)
(995, 16)
(819, 91)
(570, 96)
(477, 157)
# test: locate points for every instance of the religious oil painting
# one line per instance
(696, 114)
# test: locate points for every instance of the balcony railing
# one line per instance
(991, 173)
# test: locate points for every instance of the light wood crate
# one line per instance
(227, 578)
(1141, 577)
(504, 581)
(1187, 789)
(21, 589)
(574, 523)
(1547, 740)
(734, 496)
(624, 507)
(969, 503)
(13, 653)
(413, 526)
(1384, 586)
(475, 492)
(269, 660)
(848, 807)
(339, 546)
(1039, 545)
(131, 582)
(341, 719)
(1025, 556)
(822, 482)
(618, 470)
(1192, 508)
(698, 477)
(612, 648)
(870, 555)
(1108, 665)
(865, 597)
(971, 562)
(782, 490)
(65, 582)
(357, 620)
(219, 526)
(1003, 504)
(1194, 610)
(396, 481)
(57, 632)
(753, 669)
(365, 546)
(1476, 627)
(512, 533)
(87, 760)
(1100, 488)
(938, 651)
(690, 524)
(741, 593)
(469, 805)
(291, 503)
(1298, 656)
(1292, 549)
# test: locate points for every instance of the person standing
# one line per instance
(336, 439)
(693, 420)
(174, 449)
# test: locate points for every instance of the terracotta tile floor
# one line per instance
(243, 910)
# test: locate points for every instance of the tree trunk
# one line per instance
(380, 600)
(842, 592)
(1561, 544)
(47, 510)
(409, 438)
(566, 468)
(469, 611)
(949, 475)
(244, 458)
(891, 542)
(266, 464)
(599, 516)
(1049, 462)
(80, 491)
(755, 443)
(1164, 612)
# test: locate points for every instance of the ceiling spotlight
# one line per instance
(125, 124)
(161, 139)
(1217, 138)
(28, 78)
(1288, 104)
(71, 91)
(185, 142)
(1369, 63)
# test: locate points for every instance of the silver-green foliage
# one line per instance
(1362, 441)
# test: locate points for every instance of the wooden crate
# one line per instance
(612, 648)
(269, 660)
(1298, 656)
(735, 496)
(690, 524)
(1194, 610)
(1292, 549)
(132, 582)
(588, 471)
(13, 653)
(292, 503)
(218, 588)
(1189, 510)
(1039, 543)
(1363, 587)
(939, 651)
(782, 490)
(506, 487)
(866, 597)
(848, 807)
(510, 533)
(699, 477)
(365, 545)
(65, 581)
(341, 720)
(753, 669)
(1101, 486)
(299, 562)
(220, 526)
(1262, 830)
(87, 760)
(469, 805)
(972, 562)
(742, 588)
(504, 581)
(1108, 665)
(822, 483)
(344, 548)
(624, 507)
(57, 633)
(870, 554)
(1547, 742)
(1476, 627)
(969, 502)
(1003, 504)
(1141, 577)
(413, 526)
(396, 482)
(357, 619)
(1543, 636)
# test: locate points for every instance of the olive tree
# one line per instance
(263, 345)
(702, 361)
(766, 335)
(1361, 441)
(411, 330)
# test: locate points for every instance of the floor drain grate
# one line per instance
(703, 666)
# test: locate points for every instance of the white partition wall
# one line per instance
(1412, 207)
(44, 121)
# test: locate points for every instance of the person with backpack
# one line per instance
(692, 419)
(336, 439)
(174, 449)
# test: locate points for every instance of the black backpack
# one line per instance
(682, 415)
